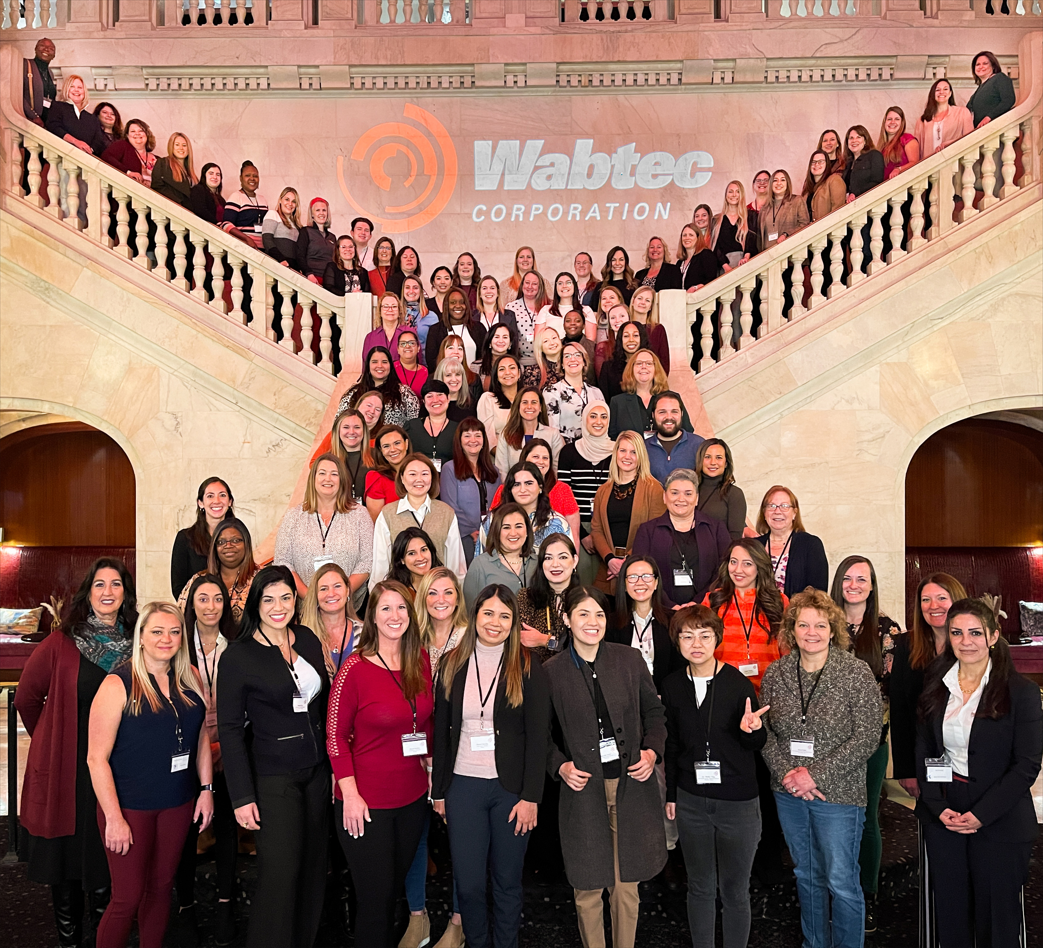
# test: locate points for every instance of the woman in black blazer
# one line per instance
(456, 320)
(798, 558)
(975, 775)
(492, 712)
(274, 683)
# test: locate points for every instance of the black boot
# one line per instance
(68, 913)
(97, 902)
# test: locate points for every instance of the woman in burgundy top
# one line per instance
(379, 737)
(59, 836)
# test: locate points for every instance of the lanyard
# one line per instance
(641, 632)
(778, 563)
(325, 533)
(206, 668)
(478, 678)
(177, 720)
(353, 474)
(406, 377)
(289, 664)
(711, 691)
(680, 552)
(746, 629)
(411, 701)
(483, 495)
(800, 684)
(594, 686)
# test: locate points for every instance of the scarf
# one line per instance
(594, 449)
(102, 644)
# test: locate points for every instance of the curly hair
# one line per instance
(821, 602)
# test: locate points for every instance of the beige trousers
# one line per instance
(623, 898)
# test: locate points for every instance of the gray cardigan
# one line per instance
(488, 568)
(844, 717)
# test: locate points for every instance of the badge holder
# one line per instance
(939, 769)
(179, 762)
(414, 745)
(300, 703)
(802, 747)
(608, 749)
(682, 578)
(483, 741)
(750, 669)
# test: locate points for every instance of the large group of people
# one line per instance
(512, 515)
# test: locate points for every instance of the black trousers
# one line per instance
(767, 863)
(483, 844)
(226, 848)
(291, 858)
(379, 860)
(978, 882)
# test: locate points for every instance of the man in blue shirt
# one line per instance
(671, 447)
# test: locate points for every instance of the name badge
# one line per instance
(486, 741)
(939, 769)
(437, 462)
(802, 747)
(609, 751)
(300, 704)
(211, 719)
(750, 669)
(47, 103)
(322, 560)
(774, 236)
(179, 762)
(258, 228)
(707, 771)
(682, 578)
(414, 745)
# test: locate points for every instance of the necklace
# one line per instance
(963, 688)
(622, 492)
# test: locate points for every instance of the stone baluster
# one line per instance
(54, 190)
(72, 194)
(236, 264)
(217, 278)
(836, 261)
(35, 173)
(180, 256)
(897, 227)
(1007, 168)
(876, 239)
(123, 247)
(818, 268)
(856, 274)
(16, 163)
(141, 233)
(771, 297)
(796, 289)
(916, 237)
(258, 302)
(706, 314)
(5, 5)
(967, 185)
(1028, 167)
(726, 322)
(199, 241)
(307, 333)
(746, 311)
(269, 304)
(162, 248)
(988, 173)
(104, 192)
(286, 316)
(935, 230)
(325, 337)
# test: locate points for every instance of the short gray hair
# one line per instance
(682, 474)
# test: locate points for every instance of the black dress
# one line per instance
(82, 855)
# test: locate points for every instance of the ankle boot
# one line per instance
(97, 902)
(68, 913)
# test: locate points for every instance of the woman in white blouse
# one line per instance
(568, 399)
(527, 420)
(417, 484)
(525, 308)
(328, 527)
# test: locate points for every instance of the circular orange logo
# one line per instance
(425, 159)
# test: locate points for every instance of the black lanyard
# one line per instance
(747, 629)
(680, 552)
(711, 691)
(775, 566)
(483, 494)
(289, 664)
(325, 533)
(478, 678)
(353, 474)
(410, 701)
(800, 684)
(596, 695)
(206, 668)
(177, 717)
(641, 632)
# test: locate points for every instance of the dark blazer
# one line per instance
(864, 173)
(993, 98)
(628, 413)
(1003, 762)
(334, 279)
(185, 562)
(394, 281)
(668, 277)
(904, 689)
(703, 269)
(163, 182)
(666, 658)
(436, 336)
(655, 539)
(315, 250)
(32, 93)
(62, 120)
(807, 564)
(521, 734)
(204, 205)
(257, 693)
(640, 722)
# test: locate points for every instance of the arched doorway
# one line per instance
(974, 508)
(67, 496)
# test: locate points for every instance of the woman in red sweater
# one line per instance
(379, 737)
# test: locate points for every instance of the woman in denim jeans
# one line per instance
(823, 726)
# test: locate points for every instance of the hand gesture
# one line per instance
(573, 776)
(532, 637)
(642, 770)
(751, 720)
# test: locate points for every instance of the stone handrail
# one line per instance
(836, 245)
(173, 244)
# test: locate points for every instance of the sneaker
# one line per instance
(418, 933)
(452, 938)
(224, 923)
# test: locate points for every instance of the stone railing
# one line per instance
(782, 284)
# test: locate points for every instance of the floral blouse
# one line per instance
(406, 410)
(889, 630)
(565, 407)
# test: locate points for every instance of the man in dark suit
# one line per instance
(38, 86)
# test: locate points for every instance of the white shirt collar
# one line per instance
(952, 679)
(405, 507)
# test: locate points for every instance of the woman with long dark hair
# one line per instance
(943, 121)
(274, 685)
(378, 375)
(899, 147)
(618, 274)
(205, 200)
(383, 257)
(413, 556)
(541, 604)
(509, 556)
(525, 485)
(719, 496)
(214, 503)
(469, 483)
(389, 454)
(59, 836)
(628, 338)
(978, 749)
(562, 500)
(494, 406)
(380, 731)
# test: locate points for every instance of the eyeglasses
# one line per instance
(573, 355)
(688, 638)
(778, 506)
(231, 541)
(407, 344)
(389, 308)
(635, 578)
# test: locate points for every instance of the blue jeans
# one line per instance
(416, 878)
(824, 840)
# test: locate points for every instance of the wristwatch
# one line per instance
(207, 786)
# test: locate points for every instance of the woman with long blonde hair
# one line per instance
(174, 175)
(280, 229)
(524, 261)
(349, 441)
(328, 611)
(730, 236)
(148, 745)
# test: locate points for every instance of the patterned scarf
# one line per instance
(97, 643)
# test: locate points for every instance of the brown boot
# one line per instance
(452, 938)
(418, 933)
